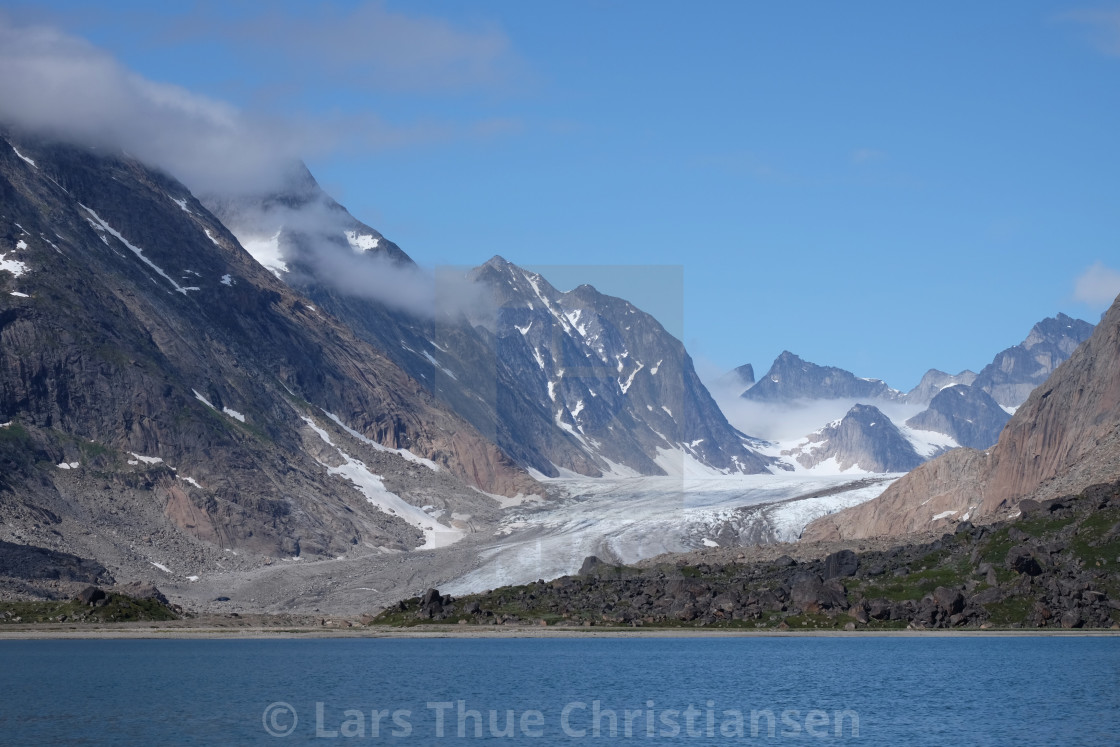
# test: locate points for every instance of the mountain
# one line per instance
(967, 414)
(1014, 373)
(458, 336)
(610, 376)
(164, 395)
(864, 438)
(934, 381)
(791, 378)
(1064, 437)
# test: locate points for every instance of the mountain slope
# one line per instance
(610, 376)
(933, 381)
(864, 438)
(966, 414)
(454, 335)
(1015, 372)
(186, 389)
(1065, 437)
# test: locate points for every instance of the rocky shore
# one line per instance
(1056, 566)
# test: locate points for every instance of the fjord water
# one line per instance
(945, 690)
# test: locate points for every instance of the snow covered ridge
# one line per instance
(100, 225)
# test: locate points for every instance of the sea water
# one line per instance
(859, 689)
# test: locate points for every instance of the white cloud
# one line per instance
(56, 84)
(1097, 286)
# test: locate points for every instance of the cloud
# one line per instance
(58, 85)
(55, 85)
(312, 232)
(1097, 286)
(1104, 28)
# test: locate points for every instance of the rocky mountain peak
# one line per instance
(864, 438)
(792, 378)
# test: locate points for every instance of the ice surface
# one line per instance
(626, 520)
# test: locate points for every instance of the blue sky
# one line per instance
(881, 186)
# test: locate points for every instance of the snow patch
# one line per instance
(17, 294)
(435, 534)
(145, 459)
(25, 158)
(626, 387)
(183, 205)
(69, 465)
(227, 280)
(203, 400)
(943, 515)
(161, 566)
(233, 414)
(434, 362)
(191, 480)
(361, 242)
(266, 250)
(13, 266)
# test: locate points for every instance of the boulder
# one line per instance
(841, 564)
(1021, 560)
(90, 595)
(948, 600)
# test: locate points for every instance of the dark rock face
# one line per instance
(1014, 373)
(745, 373)
(841, 564)
(864, 438)
(143, 328)
(791, 378)
(967, 414)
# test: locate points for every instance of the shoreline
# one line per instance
(141, 631)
